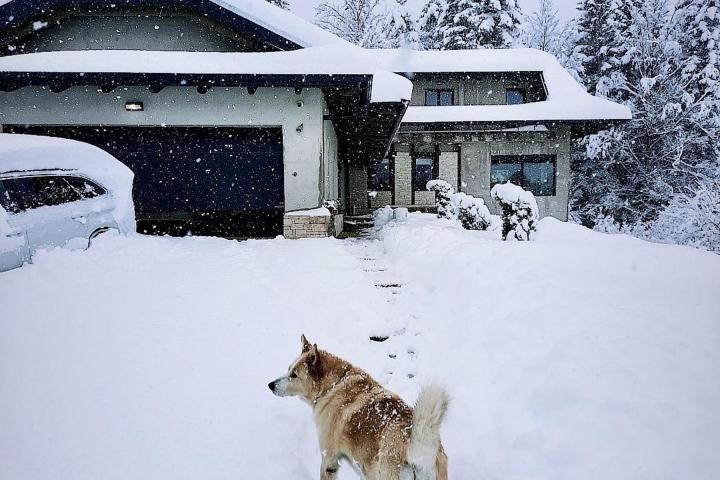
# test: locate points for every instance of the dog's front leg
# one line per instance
(329, 466)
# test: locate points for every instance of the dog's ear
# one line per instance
(305, 344)
(314, 364)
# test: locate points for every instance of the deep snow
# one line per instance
(576, 356)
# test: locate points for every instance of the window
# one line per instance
(423, 172)
(514, 96)
(535, 173)
(438, 97)
(85, 188)
(380, 178)
(32, 192)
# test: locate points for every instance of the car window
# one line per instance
(84, 187)
(32, 192)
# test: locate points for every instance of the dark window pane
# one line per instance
(22, 194)
(446, 97)
(55, 191)
(514, 97)
(431, 97)
(85, 188)
(423, 172)
(539, 178)
(506, 172)
(380, 175)
(33, 192)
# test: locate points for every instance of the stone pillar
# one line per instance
(403, 178)
(448, 168)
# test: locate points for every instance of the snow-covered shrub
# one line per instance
(692, 219)
(443, 191)
(519, 211)
(471, 211)
(383, 215)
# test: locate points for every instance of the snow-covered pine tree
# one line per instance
(541, 30)
(480, 24)
(401, 27)
(595, 40)
(358, 21)
(431, 18)
(700, 42)
(634, 169)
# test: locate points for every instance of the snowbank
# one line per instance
(30, 152)
(577, 356)
(315, 212)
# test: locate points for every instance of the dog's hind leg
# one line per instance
(329, 466)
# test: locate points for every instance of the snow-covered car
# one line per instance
(56, 192)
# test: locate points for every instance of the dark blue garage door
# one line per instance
(204, 181)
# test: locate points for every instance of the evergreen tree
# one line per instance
(480, 24)
(633, 170)
(401, 28)
(280, 3)
(431, 18)
(595, 40)
(358, 21)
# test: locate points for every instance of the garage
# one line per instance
(221, 181)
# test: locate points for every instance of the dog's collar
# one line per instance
(332, 387)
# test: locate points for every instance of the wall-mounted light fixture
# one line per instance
(134, 106)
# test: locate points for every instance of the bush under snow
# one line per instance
(519, 211)
(471, 211)
(443, 193)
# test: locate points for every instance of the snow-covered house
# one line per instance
(239, 118)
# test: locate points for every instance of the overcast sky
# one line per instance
(305, 8)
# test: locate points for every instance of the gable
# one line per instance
(181, 25)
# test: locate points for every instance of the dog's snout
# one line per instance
(271, 385)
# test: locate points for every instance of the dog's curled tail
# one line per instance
(428, 414)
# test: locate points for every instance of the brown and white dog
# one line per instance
(359, 420)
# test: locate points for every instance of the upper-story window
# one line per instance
(514, 96)
(439, 97)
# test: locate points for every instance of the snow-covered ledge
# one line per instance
(315, 223)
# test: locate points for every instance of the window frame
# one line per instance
(519, 90)
(522, 160)
(438, 92)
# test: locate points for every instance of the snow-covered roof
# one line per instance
(260, 12)
(22, 153)
(282, 22)
(566, 99)
(327, 60)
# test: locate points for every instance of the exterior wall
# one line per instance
(183, 106)
(143, 29)
(476, 162)
(473, 91)
(357, 189)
